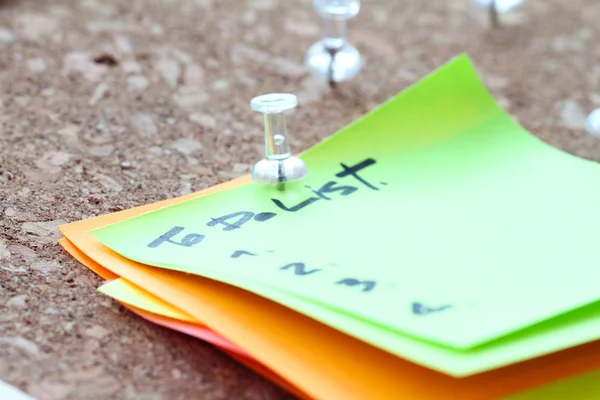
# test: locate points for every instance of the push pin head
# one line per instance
(333, 57)
(279, 165)
(593, 123)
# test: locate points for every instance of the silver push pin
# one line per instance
(496, 7)
(593, 123)
(333, 57)
(279, 165)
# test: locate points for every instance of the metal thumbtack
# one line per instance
(593, 123)
(279, 165)
(496, 7)
(333, 57)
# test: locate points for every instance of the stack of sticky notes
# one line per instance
(437, 250)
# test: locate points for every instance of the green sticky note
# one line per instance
(570, 329)
(581, 387)
(435, 217)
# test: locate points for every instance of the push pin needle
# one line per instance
(496, 7)
(332, 53)
(494, 14)
(279, 165)
(333, 57)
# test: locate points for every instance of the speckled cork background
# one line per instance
(107, 105)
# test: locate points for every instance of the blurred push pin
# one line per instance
(333, 57)
(279, 165)
(593, 123)
(496, 7)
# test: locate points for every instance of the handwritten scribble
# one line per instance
(264, 216)
(239, 218)
(353, 171)
(422, 309)
(367, 285)
(299, 268)
(297, 207)
(239, 253)
(331, 187)
(188, 240)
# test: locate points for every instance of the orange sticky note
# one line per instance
(196, 329)
(320, 361)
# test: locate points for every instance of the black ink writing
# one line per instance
(354, 172)
(297, 207)
(332, 187)
(299, 268)
(239, 253)
(422, 309)
(188, 240)
(237, 219)
(367, 285)
(240, 218)
(264, 216)
(319, 193)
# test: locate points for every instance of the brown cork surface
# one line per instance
(108, 104)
